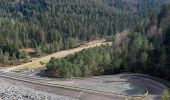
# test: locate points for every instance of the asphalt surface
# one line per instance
(75, 93)
(155, 89)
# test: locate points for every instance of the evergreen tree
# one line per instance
(6, 58)
(166, 95)
(38, 51)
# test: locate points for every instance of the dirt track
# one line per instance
(36, 63)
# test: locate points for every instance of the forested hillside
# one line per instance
(145, 49)
(95, 61)
(52, 25)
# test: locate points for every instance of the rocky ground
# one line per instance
(19, 92)
(113, 87)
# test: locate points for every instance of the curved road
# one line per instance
(81, 94)
(155, 88)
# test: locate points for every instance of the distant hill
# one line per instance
(53, 25)
(145, 49)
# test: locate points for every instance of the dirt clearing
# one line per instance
(40, 62)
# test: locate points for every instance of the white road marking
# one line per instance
(80, 94)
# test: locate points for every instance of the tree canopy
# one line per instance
(145, 49)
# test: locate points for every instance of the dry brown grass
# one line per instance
(38, 62)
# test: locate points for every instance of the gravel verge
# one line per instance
(20, 92)
(122, 88)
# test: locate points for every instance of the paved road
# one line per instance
(76, 93)
(155, 88)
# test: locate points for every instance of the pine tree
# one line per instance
(38, 51)
(1, 56)
(6, 58)
(166, 95)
